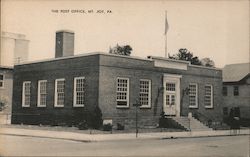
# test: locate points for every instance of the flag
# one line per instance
(166, 23)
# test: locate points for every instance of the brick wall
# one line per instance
(107, 95)
(113, 67)
(203, 113)
(51, 70)
(101, 72)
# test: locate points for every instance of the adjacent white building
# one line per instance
(14, 49)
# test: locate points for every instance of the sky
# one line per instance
(208, 28)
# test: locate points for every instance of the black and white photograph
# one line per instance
(125, 78)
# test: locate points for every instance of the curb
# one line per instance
(80, 137)
(203, 136)
(58, 138)
(139, 138)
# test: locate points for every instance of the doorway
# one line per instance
(171, 94)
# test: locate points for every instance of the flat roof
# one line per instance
(13, 35)
(183, 62)
(6, 67)
(149, 58)
(167, 59)
(82, 55)
(65, 30)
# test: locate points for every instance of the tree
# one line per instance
(121, 50)
(127, 50)
(94, 119)
(207, 62)
(186, 55)
(3, 104)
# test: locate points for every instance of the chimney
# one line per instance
(64, 43)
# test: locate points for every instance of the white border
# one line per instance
(74, 101)
(196, 96)
(127, 100)
(149, 94)
(55, 101)
(23, 94)
(39, 94)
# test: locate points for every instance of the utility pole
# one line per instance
(136, 117)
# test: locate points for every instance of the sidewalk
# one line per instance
(112, 137)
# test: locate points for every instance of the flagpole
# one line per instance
(166, 47)
(166, 30)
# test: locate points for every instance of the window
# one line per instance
(193, 95)
(225, 111)
(171, 95)
(122, 92)
(170, 99)
(59, 92)
(26, 94)
(145, 93)
(208, 96)
(1, 80)
(236, 90)
(42, 93)
(224, 91)
(170, 86)
(79, 91)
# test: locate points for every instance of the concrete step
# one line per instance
(183, 121)
(191, 124)
(197, 125)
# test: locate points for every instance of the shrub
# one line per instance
(209, 123)
(94, 119)
(162, 121)
(82, 125)
(2, 105)
(107, 127)
(120, 126)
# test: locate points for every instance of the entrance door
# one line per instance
(171, 94)
(170, 106)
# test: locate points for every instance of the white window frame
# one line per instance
(212, 93)
(196, 96)
(39, 94)
(56, 94)
(149, 94)
(75, 95)
(127, 93)
(2, 81)
(23, 94)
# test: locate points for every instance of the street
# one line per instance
(209, 146)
